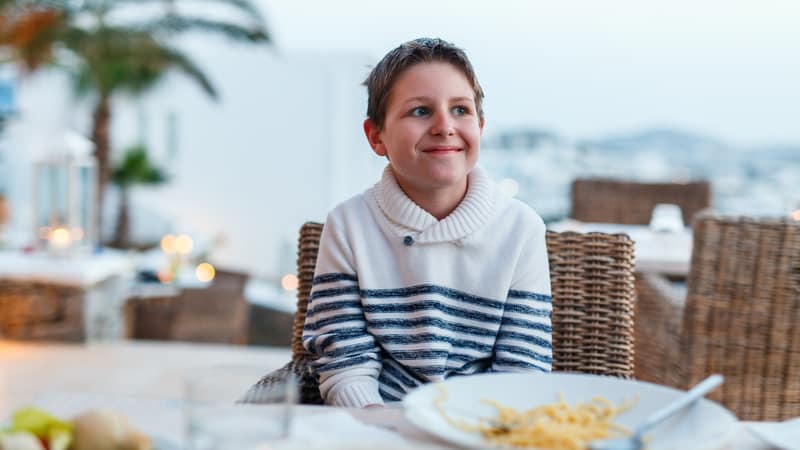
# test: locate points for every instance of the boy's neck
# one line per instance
(439, 203)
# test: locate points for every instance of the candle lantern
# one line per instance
(65, 188)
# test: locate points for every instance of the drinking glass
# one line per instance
(224, 411)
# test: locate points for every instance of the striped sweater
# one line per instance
(400, 298)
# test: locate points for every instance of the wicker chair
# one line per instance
(218, 313)
(593, 291)
(613, 201)
(739, 318)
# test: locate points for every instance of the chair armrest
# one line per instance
(657, 330)
(308, 386)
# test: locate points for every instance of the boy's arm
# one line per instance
(524, 341)
(348, 358)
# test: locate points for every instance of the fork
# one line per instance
(636, 441)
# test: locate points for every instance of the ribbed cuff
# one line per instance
(356, 394)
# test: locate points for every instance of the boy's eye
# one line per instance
(420, 111)
(460, 111)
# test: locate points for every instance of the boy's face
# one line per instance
(432, 130)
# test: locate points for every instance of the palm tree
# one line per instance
(135, 168)
(107, 56)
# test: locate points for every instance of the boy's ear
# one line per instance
(374, 137)
(481, 123)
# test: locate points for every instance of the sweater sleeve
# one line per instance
(524, 341)
(347, 357)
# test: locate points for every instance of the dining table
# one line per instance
(144, 380)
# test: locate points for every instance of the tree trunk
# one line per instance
(122, 229)
(102, 142)
(4, 211)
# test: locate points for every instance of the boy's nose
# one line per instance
(442, 125)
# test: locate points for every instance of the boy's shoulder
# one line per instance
(350, 209)
(520, 213)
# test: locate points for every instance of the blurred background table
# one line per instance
(74, 298)
(667, 253)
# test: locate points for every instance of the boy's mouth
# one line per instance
(441, 150)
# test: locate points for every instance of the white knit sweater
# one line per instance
(400, 298)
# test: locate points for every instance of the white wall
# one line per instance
(282, 146)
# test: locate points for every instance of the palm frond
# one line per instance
(182, 62)
(181, 24)
(136, 168)
(116, 59)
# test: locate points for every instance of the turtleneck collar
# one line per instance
(406, 217)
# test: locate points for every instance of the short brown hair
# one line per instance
(423, 50)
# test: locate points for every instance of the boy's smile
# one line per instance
(431, 133)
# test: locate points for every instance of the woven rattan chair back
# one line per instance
(614, 201)
(593, 291)
(742, 314)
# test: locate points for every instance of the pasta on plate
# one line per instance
(555, 426)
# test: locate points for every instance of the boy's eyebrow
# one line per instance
(427, 99)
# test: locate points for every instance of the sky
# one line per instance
(730, 69)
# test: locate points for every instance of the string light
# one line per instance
(184, 244)
(59, 237)
(168, 244)
(290, 282)
(205, 272)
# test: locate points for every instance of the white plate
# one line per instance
(705, 425)
(782, 435)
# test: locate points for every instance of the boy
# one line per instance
(432, 272)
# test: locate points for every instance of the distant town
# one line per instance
(540, 165)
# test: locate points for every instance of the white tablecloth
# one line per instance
(144, 381)
(83, 271)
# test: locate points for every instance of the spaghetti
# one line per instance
(556, 426)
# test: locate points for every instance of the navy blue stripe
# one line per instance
(333, 305)
(355, 349)
(340, 364)
(524, 351)
(401, 355)
(433, 289)
(383, 379)
(331, 277)
(524, 309)
(341, 335)
(530, 295)
(432, 304)
(525, 338)
(527, 325)
(429, 337)
(387, 396)
(515, 363)
(399, 373)
(329, 320)
(431, 322)
(429, 370)
(309, 342)
(333, 292)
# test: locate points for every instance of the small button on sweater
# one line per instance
(400, 298)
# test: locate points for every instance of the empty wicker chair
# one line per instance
(739, 318)
(218, 313)
(592, 283)
(614, 201)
